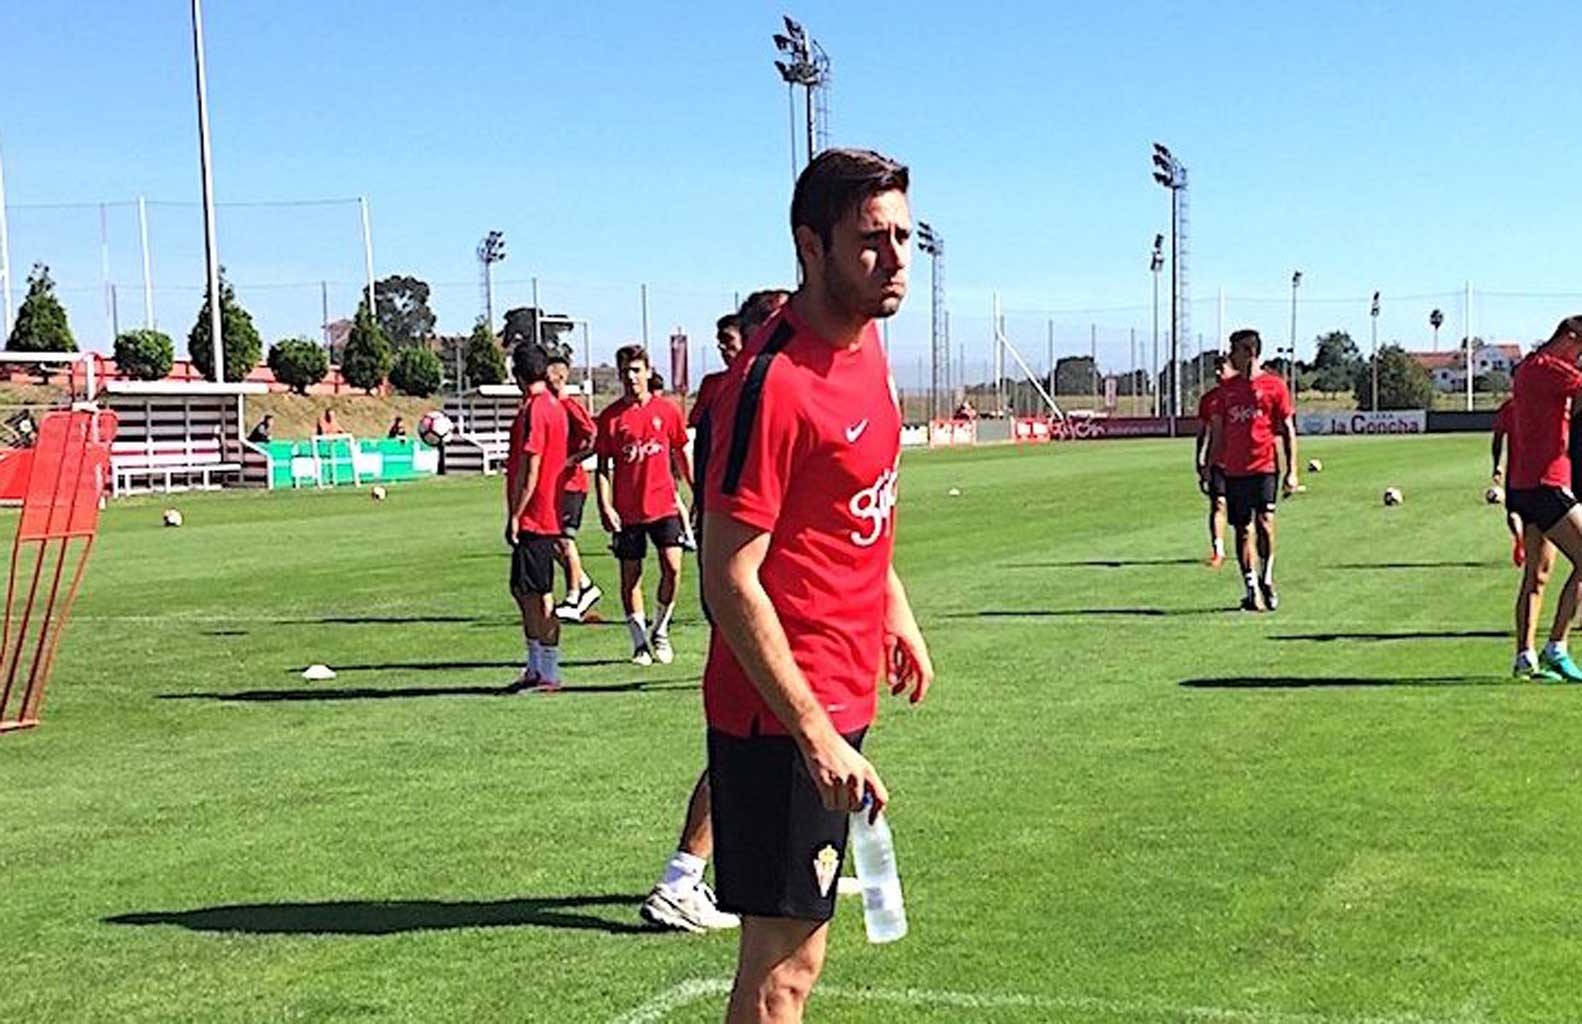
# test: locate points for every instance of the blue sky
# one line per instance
(1409, 149)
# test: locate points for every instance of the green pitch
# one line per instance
(1123, 802)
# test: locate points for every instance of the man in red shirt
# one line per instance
(533, 474)
(1253, 409)
(641, 440)
(581, 592)
(1503, 421)
(1539, 482)
(1211, 476)
(809, 614)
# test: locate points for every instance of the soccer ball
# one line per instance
(1393, 496)
(1314, 466)
(378, 493)
(172, 517)
(1493, 495)
(434, 428)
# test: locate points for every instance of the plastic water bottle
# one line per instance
(873, 850)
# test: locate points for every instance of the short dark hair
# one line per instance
(1249, 335)
(632, 354)
(728, 322)
(1220, 359)
(1570, 325)
(529, 363)
(836, 182)
(759, 307)
(558, 354)
(656, 382)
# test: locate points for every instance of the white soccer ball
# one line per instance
(1493, 495)
(1314, 466)
(172, 517)
(1393, 496)
(434, 428)
(378, 493)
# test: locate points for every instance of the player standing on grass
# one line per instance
(681, 899)
(1539, 481)
(533, 474)
(1253, 408)
(1211, 476)
(641, 437)
(581, 592)
(808, 611)
(1501, 441)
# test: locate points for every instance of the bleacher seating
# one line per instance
(483, 430)
(177, 465)
(175, 436)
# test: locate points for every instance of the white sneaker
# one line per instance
(694, 911)
(663, 652)
(587, 599)
(643, 656)
(566, 611)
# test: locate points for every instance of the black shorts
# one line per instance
(631, 544)
(1542, 507)
(533, 564)
(1216, 482)
(777, 851)
(571, 503)
(1245, 496)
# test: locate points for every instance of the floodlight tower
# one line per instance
(1373, 313)
(806, 65)
(933, 243)
(1172, 174)
(1156, 263)
(1296, 282)
(1436, 320)
(490, 251)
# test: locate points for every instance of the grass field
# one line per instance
(1122, 802)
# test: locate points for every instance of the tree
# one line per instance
(401, 307)
(1074, 375)
(1403, 383)
(144, 355)
(416, 372)
(520, 323)
(485, 358)
(41, 320)
(299, 363)
(1335, 363)
(237, 334)
(367, 358)
(1493, 382)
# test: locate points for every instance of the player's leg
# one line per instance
(1238, 512)
(666, 535)
(1216, 517)
(525, 604)
(1264, 521)
(1529, 601)
(1513, 522)
(631, 547)
(1555, 657)
(777, 963)
(681, 899)
(538, 609)
(1564, 531)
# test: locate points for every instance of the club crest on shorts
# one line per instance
(825, 864)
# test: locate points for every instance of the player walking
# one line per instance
(1501, 441)
(532, 503)
(1211, 476)
(581, 592)
(1253, 408)
(641, 437)
(808, 611)
(1540, 479)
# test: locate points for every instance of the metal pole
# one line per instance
(1374, 404)
(1219, 325)
(1175, 308)
(791, 110)
(104, 268)
(5, 264)
(1294, 281)
(644, 290)
(1153, 379)
(810, 119)
(148, 275)
(210, 248)
(368, 254)
(1466, 319)
(324, 311)
(1050, 355)
(1093, 360)
(488, 302)
(115, 312)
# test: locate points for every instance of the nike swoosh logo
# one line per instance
(855, 431)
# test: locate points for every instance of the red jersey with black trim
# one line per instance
(580, 432)
(815, 467)
(708, 390)
(1250, 408)
(539, 429)
(1541, 399)
(637, 438)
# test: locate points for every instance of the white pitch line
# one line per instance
(695, 989)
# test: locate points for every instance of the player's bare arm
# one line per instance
(523, 495)
(733, 552)
(683, 469)
(1496, 450)
(909, 664)
(1216, 439)
(1206, 442)
(1288, 443)
(604, 487)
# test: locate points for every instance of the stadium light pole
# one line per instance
(807, 65)
(491, 250)
(1436, 319)
(1156, 263)
(933, 243)
(1373, 314)
(211, 253)
(1296, 282)
(1171, 173)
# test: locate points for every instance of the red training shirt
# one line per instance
(1207, 405)
(1541, 422)
(1249, 409)
(580, 429)
(637, 438)
(539, 429)
(1504, 419)
(708, 390)
(818, 473)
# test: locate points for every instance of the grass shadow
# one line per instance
(1421, 565)
(1105, 563)
(457, 666)
(393, 917)
(409, 692)
(1338, 682)
(1059, 613)
(1425, 634)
